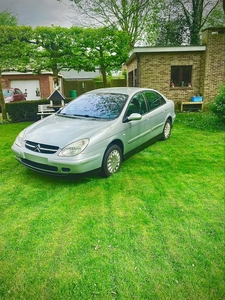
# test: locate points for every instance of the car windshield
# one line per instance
(7, 93)
(99, 105)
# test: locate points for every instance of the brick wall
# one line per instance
(213, 61)
(155, 72)
(208, 68)
(46, 85)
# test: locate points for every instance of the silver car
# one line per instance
(95, 131)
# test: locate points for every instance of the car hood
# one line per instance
(60, 131)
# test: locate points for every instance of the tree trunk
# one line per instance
(196, 24)
(104, 77)
(56, 78)
(194, 35)
(103, 67)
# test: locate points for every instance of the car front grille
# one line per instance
(41, 148)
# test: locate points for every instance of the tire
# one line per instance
(166, 130)
(112, 161)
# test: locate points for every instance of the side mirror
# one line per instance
(134, 117)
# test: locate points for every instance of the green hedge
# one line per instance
(23, 110)
(218, 106)
(26, 110)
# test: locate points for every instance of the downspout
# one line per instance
(138, 70)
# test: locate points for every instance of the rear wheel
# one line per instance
(167, 130)
(112, 161)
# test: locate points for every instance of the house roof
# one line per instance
(26, 73)
(81, 75)
(165, 49)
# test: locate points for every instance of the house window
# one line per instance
(181, 76)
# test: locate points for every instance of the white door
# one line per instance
(31, 87)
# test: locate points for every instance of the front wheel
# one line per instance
(167, 130)
(112, 161)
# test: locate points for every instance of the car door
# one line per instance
(156, 116)
(136, 131)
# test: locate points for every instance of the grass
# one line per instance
(153, 231)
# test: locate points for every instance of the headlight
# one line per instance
(19, 138)
(74, 148)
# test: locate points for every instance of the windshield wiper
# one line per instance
(77, 115)
(87, 116)
(64, 115)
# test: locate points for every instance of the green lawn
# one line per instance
(153, 231)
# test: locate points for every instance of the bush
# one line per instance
(218, 106)
(22, 111)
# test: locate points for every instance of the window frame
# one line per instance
(182, 78)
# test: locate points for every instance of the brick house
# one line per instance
(181, 72)
(37, 86)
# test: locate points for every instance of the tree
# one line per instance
(216, 18)
(15, 52)
(8, 18)
(171, 32)
(79, 49)
(181, 21)
(130, 16)
(196, 13)
(172, 27)
(108, 48)
(59, 48)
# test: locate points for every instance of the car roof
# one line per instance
(120, 90)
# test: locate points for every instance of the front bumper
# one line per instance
(53, 164)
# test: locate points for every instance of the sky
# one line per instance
(39, 12)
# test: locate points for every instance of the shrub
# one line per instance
(22, 111)
(218, 106)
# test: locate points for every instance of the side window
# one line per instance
(17, 92)
(154, 99)
(137, 105)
